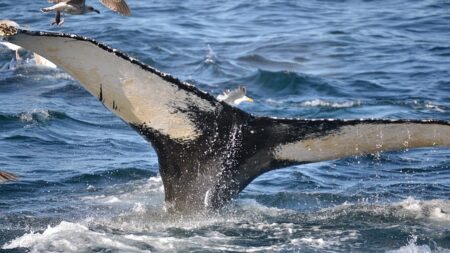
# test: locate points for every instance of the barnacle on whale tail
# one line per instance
(7, 30)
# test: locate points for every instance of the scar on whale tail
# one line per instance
(203, 166)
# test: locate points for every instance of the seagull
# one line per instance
(79, 7)
(235, 97)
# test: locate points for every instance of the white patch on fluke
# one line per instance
(136, 95)
(364, 139)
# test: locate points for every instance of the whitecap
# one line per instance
(434, 210)
(413, 247)
(72, 237)
(314, 103)
(434, 107)
(312, 242)
(210, 56)
(325, 103)
(36, 115)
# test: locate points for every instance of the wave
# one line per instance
(324, 103)
(39, 139)
(123, 174)
(211, 56)
(68, 90)
(29, 70)
(440, 48)
(321, 103)
(248, 226)
(415, 247)
(76, 237)
(261, 62)
(69, 237)
(421, 105)
(212, 66)
(281, 83)
(427, 105)
(39, 117)
(34, 116)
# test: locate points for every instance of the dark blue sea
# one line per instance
(89, 183)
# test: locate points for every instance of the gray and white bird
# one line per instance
(79, 7)
(235, 97)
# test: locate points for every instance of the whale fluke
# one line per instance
(209, 151)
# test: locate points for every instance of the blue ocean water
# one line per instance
(89, 183)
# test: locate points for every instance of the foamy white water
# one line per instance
(148, 228)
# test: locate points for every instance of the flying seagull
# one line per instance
(209, 151)
(79, 7)
(234, 97)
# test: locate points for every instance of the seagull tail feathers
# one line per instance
(7, 176)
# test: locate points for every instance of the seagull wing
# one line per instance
(119, 6)
(72, 2)
(6, 176)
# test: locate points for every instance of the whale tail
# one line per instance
(209, 151)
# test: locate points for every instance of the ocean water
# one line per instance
(89, 183)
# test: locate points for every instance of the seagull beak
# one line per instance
(248, 99)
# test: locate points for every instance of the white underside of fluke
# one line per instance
(136, 95)
(363, 139)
